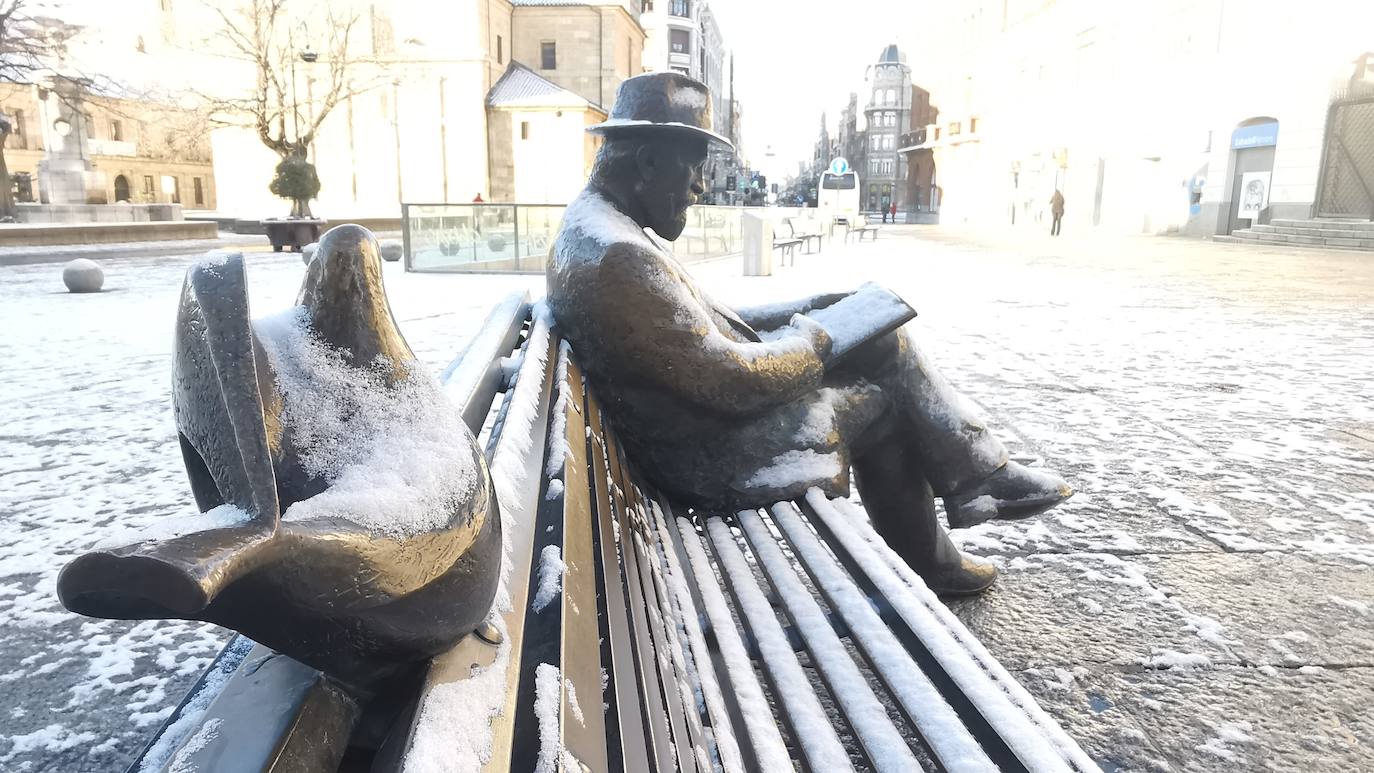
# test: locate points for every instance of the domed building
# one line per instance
(889, 117)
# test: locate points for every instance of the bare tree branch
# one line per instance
(262, 33)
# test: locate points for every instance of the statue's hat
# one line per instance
(661, 101)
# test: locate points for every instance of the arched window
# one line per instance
(121, 188)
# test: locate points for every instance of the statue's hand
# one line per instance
(812, 330)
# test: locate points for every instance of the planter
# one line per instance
(292, 234)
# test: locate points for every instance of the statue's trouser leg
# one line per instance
(955, 450)
(901, 504)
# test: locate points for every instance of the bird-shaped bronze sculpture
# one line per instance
(347, 516)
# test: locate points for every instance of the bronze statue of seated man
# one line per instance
(730, 409)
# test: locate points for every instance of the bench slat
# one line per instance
(624, 680)
(464, 678)
(882, 743)
(723, 722)
(684, 681)
(584, 730)
(661, 629)
(734, 666)
(475, 376)
(811, 728)
(1000, 708)
(657, 720)
(920, 702)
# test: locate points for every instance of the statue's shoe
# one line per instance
(1013, 491)
(348, 517)
(971, 576)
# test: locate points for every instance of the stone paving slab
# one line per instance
(1078, 609)
(1277, 609)
(1309, 719)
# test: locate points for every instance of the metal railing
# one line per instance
(517, 238)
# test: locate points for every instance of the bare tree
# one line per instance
(32, 47)
(276, 44)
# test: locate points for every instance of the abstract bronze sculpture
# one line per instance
(730, 410)
(348, 519)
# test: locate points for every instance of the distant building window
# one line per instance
(199, 191)
(18, 128)
(682, 70)
(876, 140)
(972, 125)
(500, 51)
(166, 5)
(646, 6)
(117, 131)
(524, 130)
(681, 8)
(90, 126)
(548, 55)
(149, 188)
(630, 56)
(680, 41)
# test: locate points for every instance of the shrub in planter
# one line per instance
(296, 180)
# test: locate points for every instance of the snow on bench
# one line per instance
(631, 633)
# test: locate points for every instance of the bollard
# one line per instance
(757, 233)
(83, 276)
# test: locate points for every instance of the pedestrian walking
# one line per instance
(1057, 210)
(478, 198)
(884, 210)
(894, 211)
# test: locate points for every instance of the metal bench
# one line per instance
(861, 227)
(806, 236)
(637, 634)
(788, 247)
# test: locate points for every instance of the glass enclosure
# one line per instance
(517, 237)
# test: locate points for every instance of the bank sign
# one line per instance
(1260, 135)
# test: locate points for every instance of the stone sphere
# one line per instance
(497, 243)
(391, 249)
(83, 276)
(308, 252)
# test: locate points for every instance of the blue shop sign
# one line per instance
(1260, 135)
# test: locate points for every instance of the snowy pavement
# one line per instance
(1204, 603)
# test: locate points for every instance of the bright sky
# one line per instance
(794, 60)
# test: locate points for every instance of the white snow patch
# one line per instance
(53, 738)
(572, 702)
(206, 733)
(1166, 658)
(555, 490)
(551, 569)
(792, 468)
(394, 450)
(1358, 606)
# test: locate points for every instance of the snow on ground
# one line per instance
(1210, 403)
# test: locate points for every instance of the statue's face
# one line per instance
(671, 181)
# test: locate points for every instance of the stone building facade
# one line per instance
(888, 117)
(1037, 96)
(428, 128)
(684, 36)
(131, 151)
